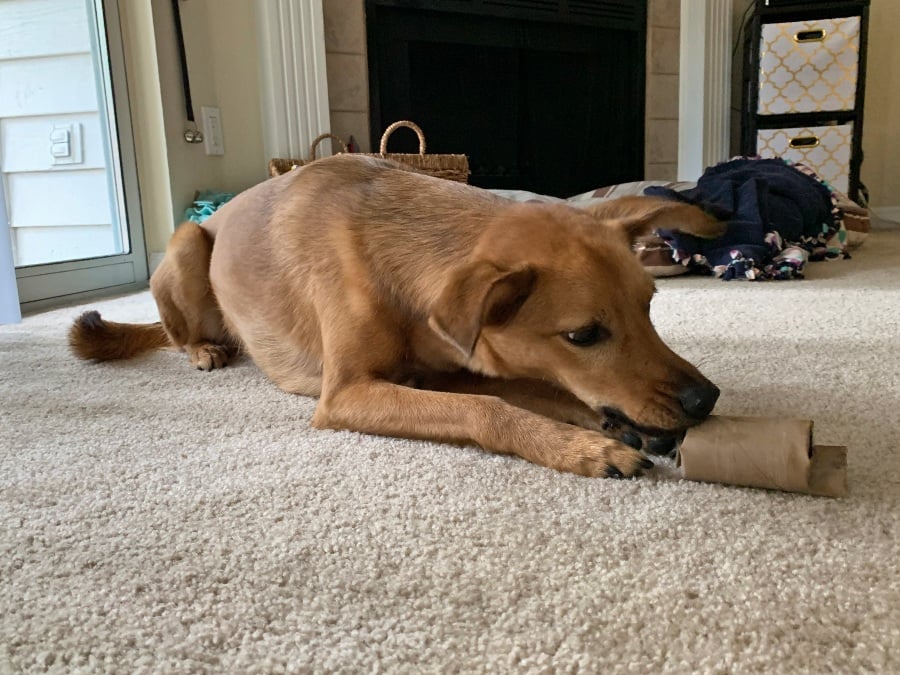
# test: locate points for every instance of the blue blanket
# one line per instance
(779, 216)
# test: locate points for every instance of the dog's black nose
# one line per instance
(698, 400)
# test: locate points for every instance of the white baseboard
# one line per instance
(886, 217)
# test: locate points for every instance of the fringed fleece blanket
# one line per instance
(779, 216)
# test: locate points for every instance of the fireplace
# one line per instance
(542, 95)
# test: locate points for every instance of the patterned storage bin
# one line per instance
(826, 150)
(808, 66)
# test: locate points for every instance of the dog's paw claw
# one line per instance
(633, 470)
(623, 461)
(613, 472)
(592, 454)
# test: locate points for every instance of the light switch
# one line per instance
(213, 140)
(65, 144)
(60, 143)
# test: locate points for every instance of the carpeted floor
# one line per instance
(158, 519)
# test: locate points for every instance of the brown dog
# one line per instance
(422, 308)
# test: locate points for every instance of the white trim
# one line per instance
(704, 93)
(9, 295)
(151, 152)
(293, 79)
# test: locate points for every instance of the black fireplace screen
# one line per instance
(539, 96)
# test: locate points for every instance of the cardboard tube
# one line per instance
(763, 452)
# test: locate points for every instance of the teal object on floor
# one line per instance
(206, 203)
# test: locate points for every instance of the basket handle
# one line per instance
(397, 125)
(319, 139)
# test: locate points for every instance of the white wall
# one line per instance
(223, 62)
(190, 169)
(881, 130)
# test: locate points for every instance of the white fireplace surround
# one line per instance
(294, 87)
(704, 94)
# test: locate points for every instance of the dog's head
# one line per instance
(557, 295)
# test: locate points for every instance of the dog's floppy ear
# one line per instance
(476, 295)
(634, 216)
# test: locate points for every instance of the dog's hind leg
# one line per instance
(187, 306)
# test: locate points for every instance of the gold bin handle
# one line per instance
(814, 35)
(804, 142)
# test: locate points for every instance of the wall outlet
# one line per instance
(213, 140)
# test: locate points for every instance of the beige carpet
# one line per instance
(158, 519)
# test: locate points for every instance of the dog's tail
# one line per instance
(93, 338)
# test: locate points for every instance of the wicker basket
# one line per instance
(451, 167)
(279, 166)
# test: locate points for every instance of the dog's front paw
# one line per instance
(591, 454)
(208, 356)
(655, 445)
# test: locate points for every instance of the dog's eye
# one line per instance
(587, 336)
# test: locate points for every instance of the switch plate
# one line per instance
(65, 144)
(213, 140)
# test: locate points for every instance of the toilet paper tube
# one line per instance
(763, 452)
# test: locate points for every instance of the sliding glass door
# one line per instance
(66, 150)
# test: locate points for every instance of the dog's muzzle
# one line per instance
(697, 402)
